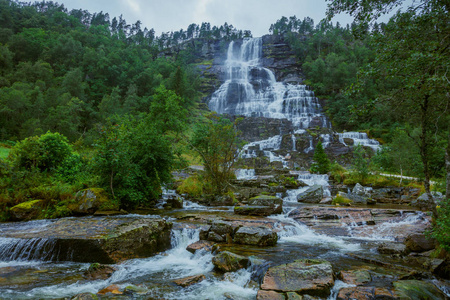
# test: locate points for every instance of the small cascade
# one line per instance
(252, 90)
(311, 146)
(294, 140)
(245, 174)
(359, 138)
(326, 140)
(36, 249)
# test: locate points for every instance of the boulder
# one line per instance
(419, 242)
(247, 210)
(260, 236)
(314, 194)
(229, 262)
(422, 200)
(417, 289)
(85, 296)
(27, 210)
(350, 293)
(89, 201)
(355, 277)
(98, 271)
(112, 289)
(294, 296)
(92, 239)
(200, 245)
(304, 276)
(187, 281)
(393, 248)
(264, 200)
(136, 290)
(269, 295)
(175, 202)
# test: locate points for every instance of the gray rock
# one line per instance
(313, 194)
(419, 242)
(393, 248)
(229, 262)
(260, 236)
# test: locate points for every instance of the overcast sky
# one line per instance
(172, 15)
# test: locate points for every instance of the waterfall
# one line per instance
(252, 90)
(13, 249)
(359, 138)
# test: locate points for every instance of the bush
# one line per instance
(321, 163)
(193, 186)
(338, 172)
(441, 228)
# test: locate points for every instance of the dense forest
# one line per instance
(81, 96)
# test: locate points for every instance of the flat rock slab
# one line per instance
(187, 281)
(305, 276)
(260, 236)
(90, 239)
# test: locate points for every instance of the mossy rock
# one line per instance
(229, 262)
(27, 210)
(90, 200)
(417, 289)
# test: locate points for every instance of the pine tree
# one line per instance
(321, 162)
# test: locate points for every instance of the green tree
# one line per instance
(321, 162)
(360, 163)
(133, 159)
(215, 141)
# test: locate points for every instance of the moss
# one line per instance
(264, 196)
(341, 200)
(27, 205)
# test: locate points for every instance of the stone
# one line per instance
(135, 290)
(293, 296)
(212, 236)
(90, 200)
(314, 194)
(102, 240)
(422, 200)
(351, 293)
(187, 281)
(304, 276)
(355, 277)
(247, 210)
(175, 202)
(99, 272)
(419, 242)
(229, 262)
(269, 295)
(260, 236)
(113, 289)
(200, 245)
(85, 296)
(417, 289)
(393, 248)
(223, 228)
(264, 200)
(27, 210)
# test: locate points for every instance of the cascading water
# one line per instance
(252, 90)
(359, 138)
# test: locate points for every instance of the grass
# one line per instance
(4, 152)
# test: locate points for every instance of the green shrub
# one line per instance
(193, 186)
(441, 227)
(337, 172)
(321, 163)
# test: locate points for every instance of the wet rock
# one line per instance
(100, 239)
(314, 194)
(260, 236)
(419, 242)
(175, 202)
(264, 200)
(223, 228)
(352, 293)
(99, 272)
(305, 276)
(393, 248)
(27, 210)
(229, 262)
(135, 290)
(113, 289)
(247, 210)
(88, 201)
(422, 200)
(200, 245)
(187, 281)
(293, 296)
(417, 289)
(212, 236)
(269, 295)
(355, 277)
(85, 296)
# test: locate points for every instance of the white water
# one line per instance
(359, 138)
(245, 174)
(172, 264)
(251, 90)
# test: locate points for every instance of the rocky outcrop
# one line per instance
(260, 236)
(305, 276)
(99, 239)
(27, 210)
(419, 242)
(229, 262)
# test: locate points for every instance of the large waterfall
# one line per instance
(252, 90)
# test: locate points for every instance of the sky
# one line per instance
(173, 15)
